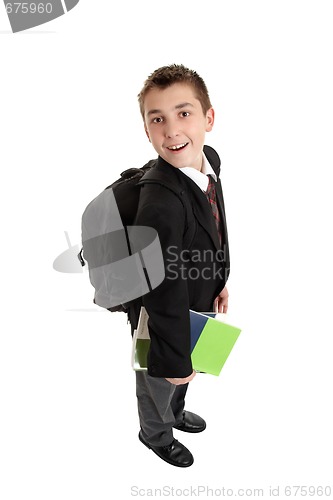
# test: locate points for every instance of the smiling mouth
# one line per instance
(179, 147)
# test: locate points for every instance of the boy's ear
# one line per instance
(147, 134)
(210, 115)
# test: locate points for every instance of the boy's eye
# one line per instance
(158, 119)
(185, 113)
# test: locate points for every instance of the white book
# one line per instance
(141, 342)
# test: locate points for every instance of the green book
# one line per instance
(212, 340)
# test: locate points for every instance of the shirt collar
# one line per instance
(200, 178)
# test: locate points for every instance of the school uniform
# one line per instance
(194, 276)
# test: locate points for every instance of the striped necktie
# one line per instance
(211, 196)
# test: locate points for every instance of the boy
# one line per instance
(177, 113)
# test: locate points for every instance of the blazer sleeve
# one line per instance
(168, 304)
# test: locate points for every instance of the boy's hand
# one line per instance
(180, 381)
(221, 301)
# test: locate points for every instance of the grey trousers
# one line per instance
(160, 407)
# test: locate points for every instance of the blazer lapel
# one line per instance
(202, 211)
(220, 204)
(215, 162)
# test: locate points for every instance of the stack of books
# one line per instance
(212, 340)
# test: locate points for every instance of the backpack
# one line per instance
(118, 274)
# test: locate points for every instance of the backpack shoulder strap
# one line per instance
(154, 176)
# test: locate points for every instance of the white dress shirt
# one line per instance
(200, 178)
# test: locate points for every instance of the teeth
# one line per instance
(178, 147)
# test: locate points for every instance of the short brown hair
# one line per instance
(176, 73)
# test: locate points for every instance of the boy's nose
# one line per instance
(171, 130)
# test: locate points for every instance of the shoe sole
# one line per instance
(162, 458)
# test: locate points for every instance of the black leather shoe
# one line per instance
(191, 423)
(174, 453)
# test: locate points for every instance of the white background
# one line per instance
(69, 125)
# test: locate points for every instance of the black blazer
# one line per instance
(193, 276)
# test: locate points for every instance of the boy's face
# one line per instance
(176, 125)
